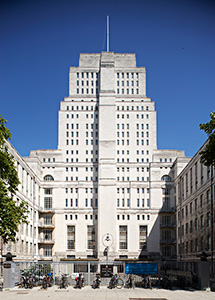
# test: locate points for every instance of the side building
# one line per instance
(195, 189)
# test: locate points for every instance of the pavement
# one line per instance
(103, 293)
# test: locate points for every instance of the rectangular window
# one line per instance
(91, 237)
(143, 237)
(123, 243)
(47, 250)
(47, 202)
(70, 237)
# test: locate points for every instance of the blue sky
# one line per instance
(40, 40)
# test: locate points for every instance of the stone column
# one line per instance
(107, 152)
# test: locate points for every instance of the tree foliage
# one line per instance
(208, 154)
(11, 213)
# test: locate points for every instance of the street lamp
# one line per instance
(107, 241)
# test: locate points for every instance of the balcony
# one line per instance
(46, 241)
(46, 226)
(167, 209)
(46, 210)
(168, 241)
(168, 225)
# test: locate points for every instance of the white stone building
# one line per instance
(107, 176)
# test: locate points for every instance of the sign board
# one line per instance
(106, 270)
(7, 265)
(141, 268)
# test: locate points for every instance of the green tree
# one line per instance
(11, 213)
(208, 154)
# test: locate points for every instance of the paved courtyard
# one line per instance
(104, 294)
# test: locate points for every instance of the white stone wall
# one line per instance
(107, 169)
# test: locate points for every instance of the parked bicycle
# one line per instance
(129, 284)
(96, 282)
(26, 280)
(115, 281)
(47, 281)
(79, 281)
(64, 281)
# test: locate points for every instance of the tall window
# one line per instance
(91, 237)
(47, 219)
(47, 202)
(143, 237)
(70, 237)
(123, 235)
(47, 250)
(47, 235)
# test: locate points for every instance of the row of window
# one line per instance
(87, 91)
(191, 180)
(127, 75)
(93, 152)
(126, 202)
(48, 159)
(137, 125)
(91, 237)
(139, 217)
(74, 202)
(123, 178)
(195, 225)
(127, 142)
(132, 107)
(128, 152)
(87, 83)
(76, 142)
(87, 178)
(87, 75)
(127, 91)
(92, 169)
(123, 116)
(138, 190)
(92, 178)
(128, 160)
(165, 160)
(75, 217)
(138, 134)
(95, 107)
(87, 190)
(95, 142)
(77, 116)
(128, 83)
(196, 245)
(87, 126)
(193, 206)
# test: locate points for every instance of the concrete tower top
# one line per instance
(120, 59)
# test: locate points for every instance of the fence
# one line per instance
(89, 269)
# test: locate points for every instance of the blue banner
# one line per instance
(141, 268)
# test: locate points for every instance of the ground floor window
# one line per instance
(70, 237)
(123, 237)
(143, 237)
(91, 242)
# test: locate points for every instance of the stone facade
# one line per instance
(107, 177)
(195, 205)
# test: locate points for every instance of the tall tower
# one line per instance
(107, 135)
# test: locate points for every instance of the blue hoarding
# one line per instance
(141, 268)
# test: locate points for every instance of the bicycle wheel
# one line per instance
(119, 284)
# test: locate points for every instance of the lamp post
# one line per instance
(107, 241)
